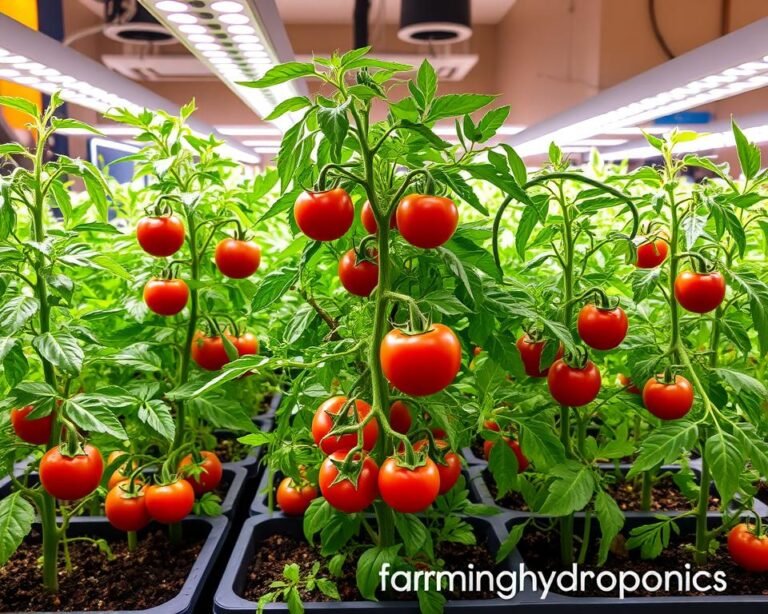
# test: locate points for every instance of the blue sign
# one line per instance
(685, 117)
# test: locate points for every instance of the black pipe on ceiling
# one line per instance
(361, 23)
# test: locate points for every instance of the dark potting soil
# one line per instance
(762, 492)
(477, 448)
(149, 576)
(665, 496)
(230, 450)
(539, 550)
(277, 551)
(511, 500)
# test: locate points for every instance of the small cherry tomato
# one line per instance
(294, 499)
(400, 417)
(247, 343)
(369, 221)
(427, 221)
(36, 431)
(344, 495)
(530, 354)
(699, 292)
(573, 386)
(166, 297)
(522, 461)
(747, 549)
(602, 329)
(170, 503)
(668, 401)
(625, 382)
(651, 254)
(237, 259)
(450, 471)
(123, 472)
(209, 352)
(71, 477)
(324, 216)
(323, 422)
(421, 364)
(160, 236)
(358, 278)
(125, 510)
(210, 476)
(408, 490)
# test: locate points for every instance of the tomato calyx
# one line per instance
(161, 208)
(668, 377)
(350, 468)
(348, 420)
(365, 253)
(577, 358)
(700, 264)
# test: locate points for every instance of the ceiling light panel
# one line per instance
(33, 59)
(730, 65)
(238, 40)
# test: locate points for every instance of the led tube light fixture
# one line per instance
(238, 40)
(735, 63)
(42, 63)
(718, 136)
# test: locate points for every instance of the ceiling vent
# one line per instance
(434, 22)
(158, 67)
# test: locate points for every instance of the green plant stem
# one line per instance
(585, 537)
(645, 504)
(48, 503)
(133, 540)
(186, 356)
(702, 507)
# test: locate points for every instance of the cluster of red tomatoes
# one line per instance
(668, 397)
(163, 236)
(406, 489)
(423, 221)
(131, 504)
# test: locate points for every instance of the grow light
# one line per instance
(732, 64)
(33, 59)
(719, 135)
(238, 40)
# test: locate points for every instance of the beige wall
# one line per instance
(543, 57)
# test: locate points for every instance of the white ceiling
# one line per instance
(340, 11)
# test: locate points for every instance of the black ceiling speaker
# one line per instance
(434, 21)
(127, 21)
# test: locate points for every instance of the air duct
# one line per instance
(126, 21)
(434, 21)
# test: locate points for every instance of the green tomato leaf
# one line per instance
(16, 518)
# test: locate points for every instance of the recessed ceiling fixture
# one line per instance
(727, 66)
(434, 23)
(250, 39)
(42, 63)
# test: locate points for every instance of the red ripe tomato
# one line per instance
(209, 352)
(602, 329)
(747, 549)
(421, 364)
(323, 422)
(450, 471)
(522, 461)
(358, 278)
(700, 292)
(166, 297)
(247, 343)
(625, 382)
(126, 511)
(477, 350)
(324, 216)
(122, 473)
(571, 386)
(668, 401)
(36, 431)
(71, 477)
(651, 254)
(427, 221)
(170, 503)
(409, 490)
(530, 354)
(294, 499)
(369, 221)
(160, 236)
(210, 477)
(400, 417)
(344, 495)
(237, 259)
